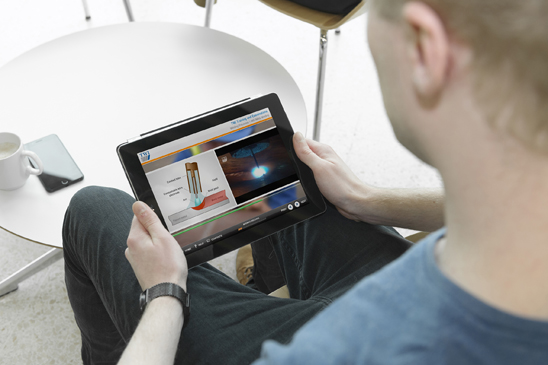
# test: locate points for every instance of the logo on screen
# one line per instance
(144, 156)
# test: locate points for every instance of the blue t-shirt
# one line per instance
(411, 313)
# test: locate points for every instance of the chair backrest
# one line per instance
(324, 21)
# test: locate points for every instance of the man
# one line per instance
(465, 86)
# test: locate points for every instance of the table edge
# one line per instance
(31, 240)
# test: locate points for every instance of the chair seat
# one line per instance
(202, 3)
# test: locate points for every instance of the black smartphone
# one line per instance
(60, 170)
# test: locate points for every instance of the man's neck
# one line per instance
(496, 246)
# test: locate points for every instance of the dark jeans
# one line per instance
(321, 259)
(267, 273)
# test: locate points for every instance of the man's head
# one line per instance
(438, 57)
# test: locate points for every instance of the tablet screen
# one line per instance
(223, 180)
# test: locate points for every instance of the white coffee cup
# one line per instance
(14, 164)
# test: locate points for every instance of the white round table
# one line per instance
(97, 88)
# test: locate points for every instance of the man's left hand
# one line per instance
(153, 253)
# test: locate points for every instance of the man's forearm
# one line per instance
(417, 209)
(156, 338)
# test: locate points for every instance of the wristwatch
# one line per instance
(167, 289)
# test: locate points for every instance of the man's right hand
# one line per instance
(336, 181)
(419, 209)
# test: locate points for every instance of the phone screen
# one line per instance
(60, 170)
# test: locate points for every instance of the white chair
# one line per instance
(324, 21)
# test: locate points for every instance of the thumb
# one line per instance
(303, 151)
(148, 219)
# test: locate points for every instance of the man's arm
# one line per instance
(418, 209)
(156, 338)
(155, 257)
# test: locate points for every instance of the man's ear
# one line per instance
(428, 47)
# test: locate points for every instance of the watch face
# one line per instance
(142, 301)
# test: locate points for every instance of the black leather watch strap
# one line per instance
(167, 289)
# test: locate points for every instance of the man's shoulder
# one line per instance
(410, 310)
(404, 295)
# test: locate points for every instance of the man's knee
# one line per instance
(96, 199)
(93, 206)
(84, 197)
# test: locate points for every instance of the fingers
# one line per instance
(137, 233)
(303, 151)
(321, 149)
(148, 220)
(313, 153)
(146, 228)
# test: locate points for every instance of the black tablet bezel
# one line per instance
(128, 154)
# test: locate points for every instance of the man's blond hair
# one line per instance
(509, 39)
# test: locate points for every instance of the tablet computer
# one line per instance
(223, 179)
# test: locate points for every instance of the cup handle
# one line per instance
(36, 160)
